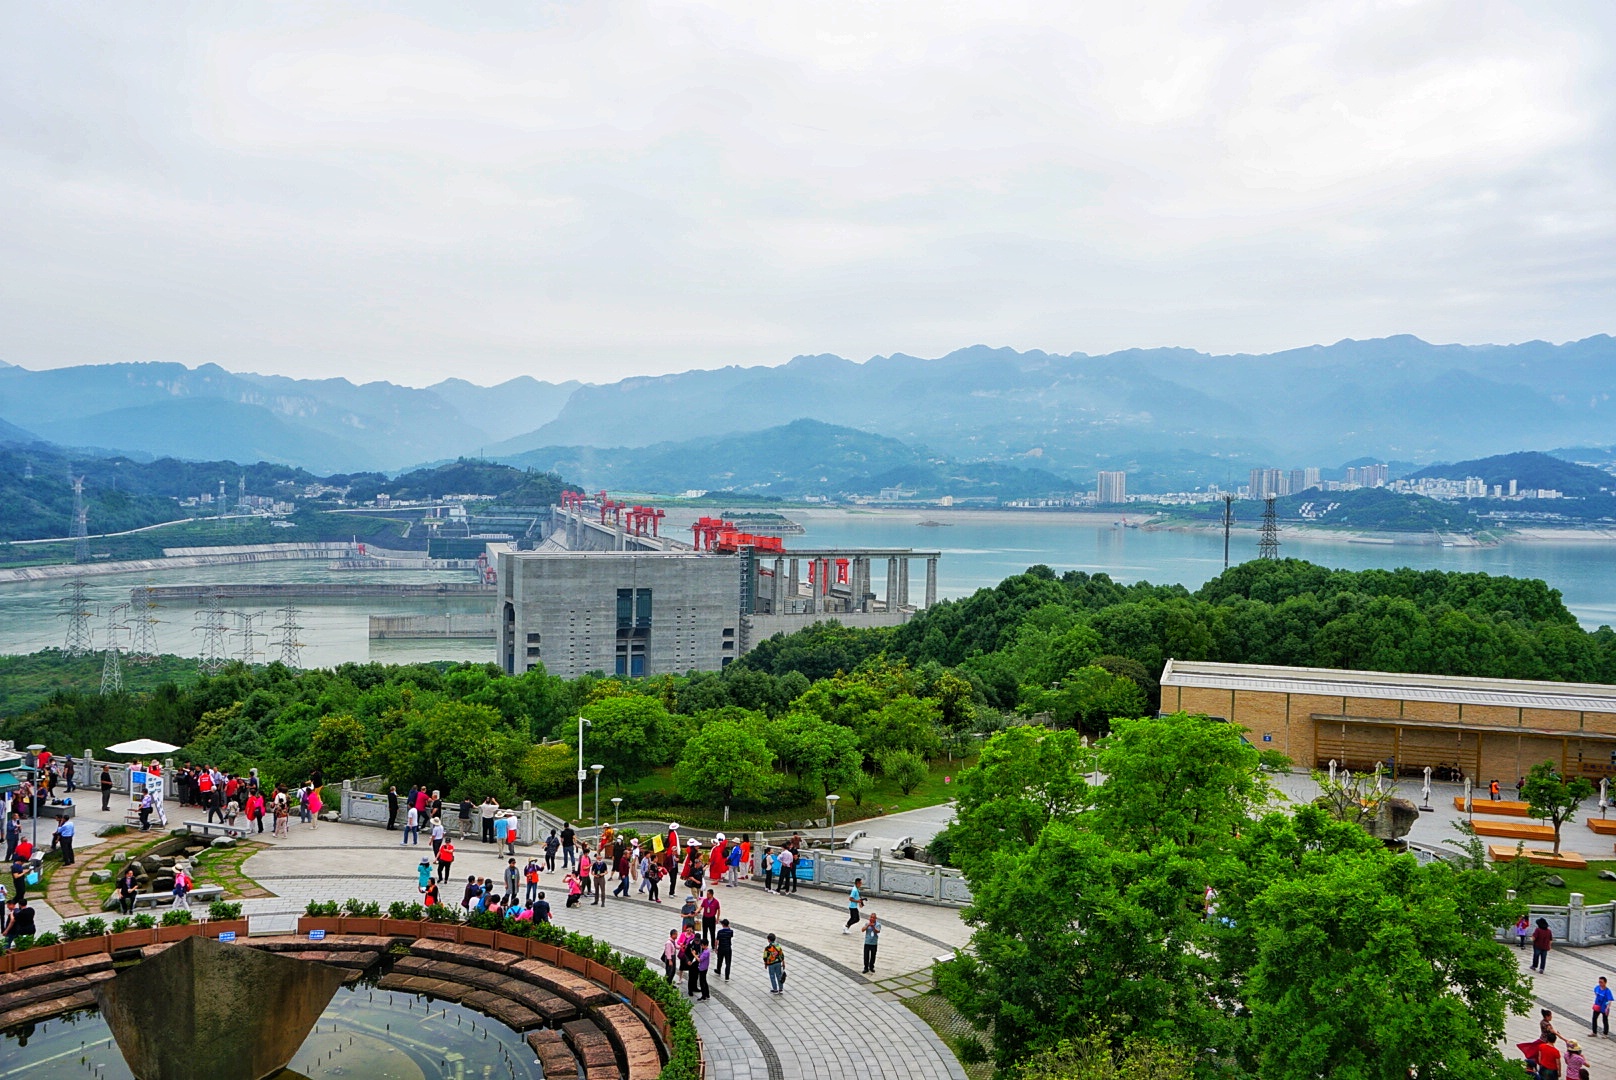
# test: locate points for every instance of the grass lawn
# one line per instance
(1586, 882)
(885, 799)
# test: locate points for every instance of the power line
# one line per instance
(79, 610)
(1268, 546)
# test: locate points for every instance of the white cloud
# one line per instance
(598, 190)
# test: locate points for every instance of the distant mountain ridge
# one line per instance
(1170, 417)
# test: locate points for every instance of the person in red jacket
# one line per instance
(1542, 942)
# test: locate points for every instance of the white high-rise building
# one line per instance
(1111, 488)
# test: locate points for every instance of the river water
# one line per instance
(979, 549)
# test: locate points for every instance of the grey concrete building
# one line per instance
(626, 613)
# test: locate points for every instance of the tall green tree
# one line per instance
(630, 734)
(820, 752)
(1024, 778)
(1553, 797)
(726, 760)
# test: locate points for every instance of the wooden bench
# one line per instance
(1566, 860)
(1603, 826)
(205, 893)
(1513, 830)
(208, 828)
(1481, 804)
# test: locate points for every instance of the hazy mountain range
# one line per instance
(1172, 417)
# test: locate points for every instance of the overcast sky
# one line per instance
(415, 191)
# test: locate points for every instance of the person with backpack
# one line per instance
(551, 844)
(670, 956)
(530, 872)
(774, 962)
(653, 875)
(723, 948)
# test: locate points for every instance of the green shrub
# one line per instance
(94, 927)
(442, 913)
(120, 925)
(969, 1049)
(47, 938)
(362, 909)
(72, 931)
(221, 910)
(176, 917)
(145, 921)
(323, 909)
(404, 910)
(24, 942)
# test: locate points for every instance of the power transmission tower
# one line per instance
(78, 613)
(291, 648)
(111, 670)
(213, 631)
(81, 531)
(244, 630)
(1268, 546)
(143, 650)
(1228, 523)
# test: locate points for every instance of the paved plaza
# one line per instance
(832, 1021)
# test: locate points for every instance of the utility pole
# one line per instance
(1268, 546)
(213, 631)
(143, 650)
(111, 670)
(291, 648)
(249, 651)
(1228, 523)
(79, 640)
(81, 530)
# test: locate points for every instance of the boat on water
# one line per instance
(929, 524)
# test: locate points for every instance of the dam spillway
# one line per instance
(197, 594)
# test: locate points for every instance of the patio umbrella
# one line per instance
(142, 747)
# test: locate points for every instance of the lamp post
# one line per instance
(582, 723)
(617, 807)
(830, 803)
(596, 770)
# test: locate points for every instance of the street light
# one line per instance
(596, 770)
(617, 806)
(830, 801)
(582, 723)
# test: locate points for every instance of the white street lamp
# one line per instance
(617, 806)
(830, 802)
(582, 723)
(596, 770)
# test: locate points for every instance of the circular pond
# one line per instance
(364, 1034)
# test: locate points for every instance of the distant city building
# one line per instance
(1267, 483)
(1310, 478)
(1111, 488)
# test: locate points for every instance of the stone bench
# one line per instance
(208, 828)
(205, 893)
(1513, 830)
(554, 1009)
(1566, 860)
(636, 1046)
(555, 1056)
(1481, 804)
(593, 1049)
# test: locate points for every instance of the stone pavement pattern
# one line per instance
(833, 1021)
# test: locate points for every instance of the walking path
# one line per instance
(833, 1021)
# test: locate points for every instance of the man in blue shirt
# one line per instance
(64, 839)
(854, 901)
(1602, 1000)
